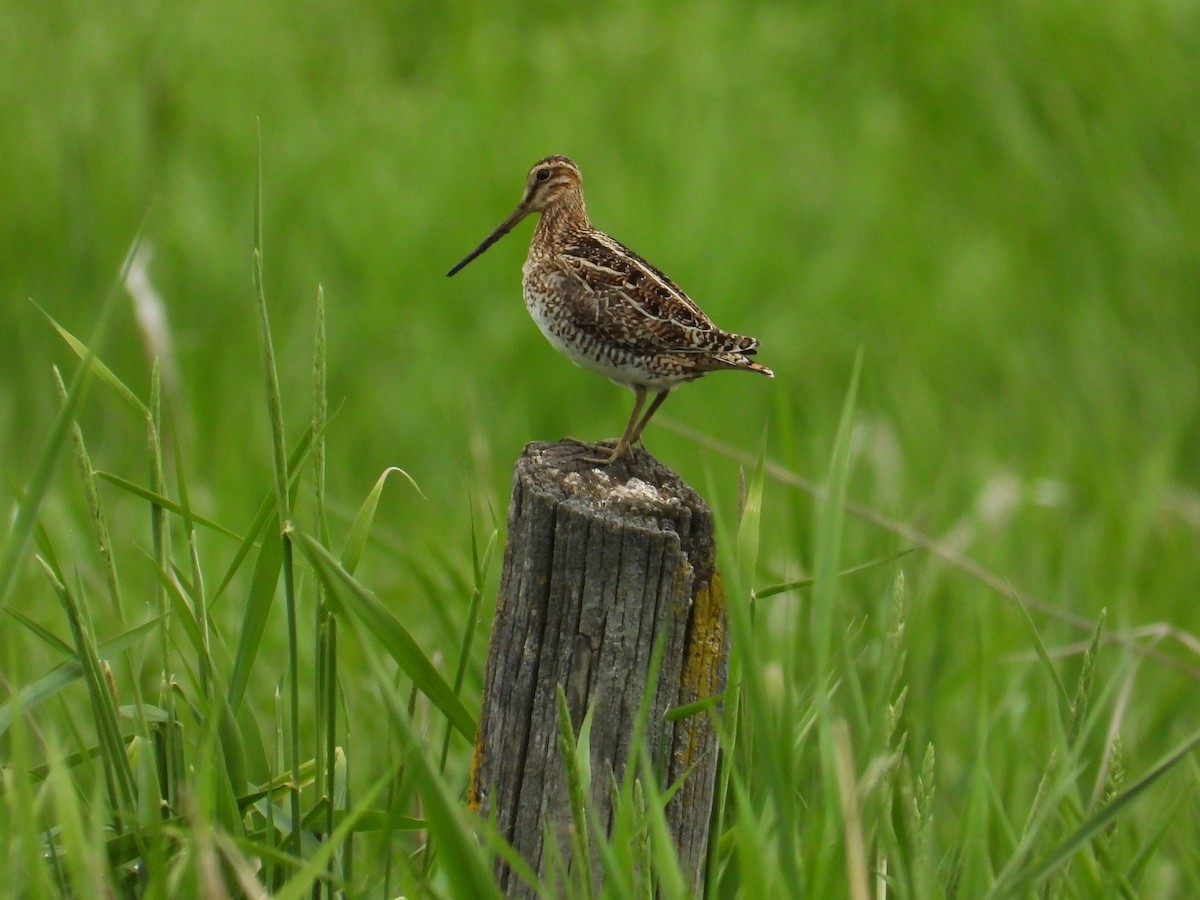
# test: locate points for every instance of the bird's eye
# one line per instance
(542, 174)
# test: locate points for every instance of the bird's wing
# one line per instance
(628, 302)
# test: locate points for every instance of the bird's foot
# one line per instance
(607, 442)
(619, 449)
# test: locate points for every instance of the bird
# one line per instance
(606, 308)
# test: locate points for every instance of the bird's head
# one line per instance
(552, 181)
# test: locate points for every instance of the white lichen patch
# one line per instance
(639, 492)
(638, 496)
(613, 490)
(574, 482)
(634, 496)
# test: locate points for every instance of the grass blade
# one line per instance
(386, 628)
(14, 548)
(118, 775)
(1022, 884)
(466, 868)
(102, 372)
(165, 502)
(282, 498)
(254, 617)
(262, 516)
(763, 593)
(576, 758)
(360, 528)
(46, 686)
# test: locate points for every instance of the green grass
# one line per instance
(213, 590)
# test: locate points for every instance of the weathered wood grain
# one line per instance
(601, 563)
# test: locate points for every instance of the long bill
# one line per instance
(504, 228)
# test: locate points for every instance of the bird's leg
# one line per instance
(625, 444)
(654, 405)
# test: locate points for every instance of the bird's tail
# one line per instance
(736, 355)
(740, 361)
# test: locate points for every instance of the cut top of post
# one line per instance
(637, 489)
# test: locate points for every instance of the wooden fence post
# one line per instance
(601, 563)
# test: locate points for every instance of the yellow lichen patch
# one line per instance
(474, 789)
(703, 667)
(705, 654)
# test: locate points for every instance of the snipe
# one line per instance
(608, 309)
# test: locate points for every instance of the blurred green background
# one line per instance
(999, 204)
(996, 203)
